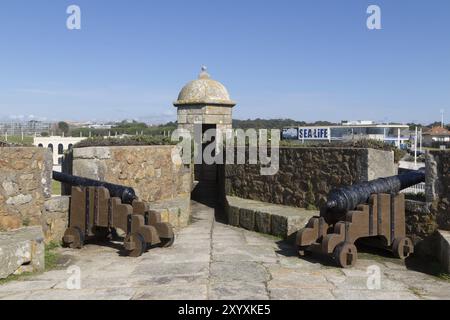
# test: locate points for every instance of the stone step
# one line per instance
(444, 249)
(277, 220)
(21, 250)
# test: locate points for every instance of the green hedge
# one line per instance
(362, 143)
(126, 141)
(4, 144)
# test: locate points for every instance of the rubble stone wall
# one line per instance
(25, 185)
(307, 175)
(424, 218)
(149, 170)
(440, 182)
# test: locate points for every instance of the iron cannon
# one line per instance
(370, 210)
(126, 194)
(342, 200)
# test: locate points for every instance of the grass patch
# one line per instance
(56, 187)
(379, 256)
(51, 257)
(16, 277)
(418, 292)
(311, 207)
(270, 236)
(444, 276)
(27, 140)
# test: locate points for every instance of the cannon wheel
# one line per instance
(345, 254)
(167, 242)
(135, 244)
(73, 238)
(402, 247)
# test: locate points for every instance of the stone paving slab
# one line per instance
(193, 292)
(210, 260)
(84, 294)
(21, 295)
(291, 278)
(300, 294)
(345, 294)
(19, 286)
(179, 269)
(242, 271)
(145, 281)
(238, 290)
(239, 253)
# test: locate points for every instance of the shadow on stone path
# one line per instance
(211, 260)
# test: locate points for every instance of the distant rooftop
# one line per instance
(362, 124)
(357, 122)
(437, 131)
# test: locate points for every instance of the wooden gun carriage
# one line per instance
(370, 209)
(97, 208)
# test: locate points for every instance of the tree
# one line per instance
(63, 127)
(435, 124)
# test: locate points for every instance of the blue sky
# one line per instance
(307, 60)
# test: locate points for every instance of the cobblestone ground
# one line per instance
(210, 260)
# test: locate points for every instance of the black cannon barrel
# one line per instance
(348, 198)
(127, 194)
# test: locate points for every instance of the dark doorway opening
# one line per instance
(206, 190)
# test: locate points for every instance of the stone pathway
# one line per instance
(210, 260)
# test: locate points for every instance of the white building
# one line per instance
(58, 145)
(350, 130)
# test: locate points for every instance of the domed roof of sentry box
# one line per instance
(204, 90)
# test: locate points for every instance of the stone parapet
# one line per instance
(307, 175)
(148, 169)
(438, 186)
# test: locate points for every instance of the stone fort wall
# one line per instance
(307, 175)
(148, 169)
(439, 190)
(424, 219)
(25, 185)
